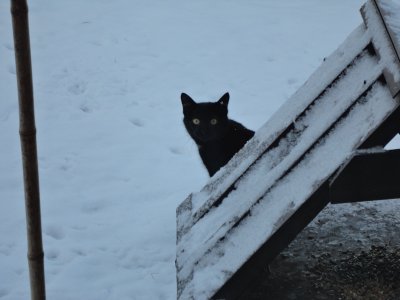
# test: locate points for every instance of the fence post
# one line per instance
(19, 12)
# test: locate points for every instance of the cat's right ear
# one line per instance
(224, 100)
(187, 102)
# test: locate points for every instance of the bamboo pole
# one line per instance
(19, 11)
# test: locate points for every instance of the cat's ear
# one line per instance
(187, 102)
(224, 100)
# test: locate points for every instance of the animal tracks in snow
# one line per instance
(55, 232)
(11, 69)
(52, 254)
(4, 292)
(8, 46)
(93, 207)
(77, 88)
(176, 150)
(85, 108)
(137, 122)
(6, 249)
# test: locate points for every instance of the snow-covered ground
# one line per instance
(115, 160)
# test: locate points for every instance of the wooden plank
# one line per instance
(386, 14)
(386, 132)
(382, 36)
(368, 176)
(254, 269)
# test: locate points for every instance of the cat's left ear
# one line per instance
(187, 102)
(224, 100)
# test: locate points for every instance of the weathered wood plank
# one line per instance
(368, 176)
(384, 41)
(254, 269)
(385, 133)
(391, 18)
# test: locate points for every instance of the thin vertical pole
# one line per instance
(19, 11)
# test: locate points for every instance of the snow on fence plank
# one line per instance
(391, 14)
(289, 158)
(380, 18)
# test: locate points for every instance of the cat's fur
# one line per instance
(218, 141)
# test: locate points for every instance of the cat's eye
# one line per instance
(196, 121)
(214, 121)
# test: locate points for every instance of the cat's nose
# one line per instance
(205, 132)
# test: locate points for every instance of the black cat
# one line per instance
(217, 137)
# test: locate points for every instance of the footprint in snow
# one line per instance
(11, 69)
(79, 252)
(176, 150)
(77, 88)
(85, 108)
(8, 47)
(6, 250)
(137, 122)
(66, 164)
(4, 292)
(92, 207)
(55, 232)
(52, 254)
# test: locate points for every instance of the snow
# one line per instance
(379, 37)
(115, 160)
(392, 19)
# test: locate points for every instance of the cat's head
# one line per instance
(205, 121)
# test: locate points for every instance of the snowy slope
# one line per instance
(115, 160)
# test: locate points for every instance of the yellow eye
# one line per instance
(196, 121)
(213, 121)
